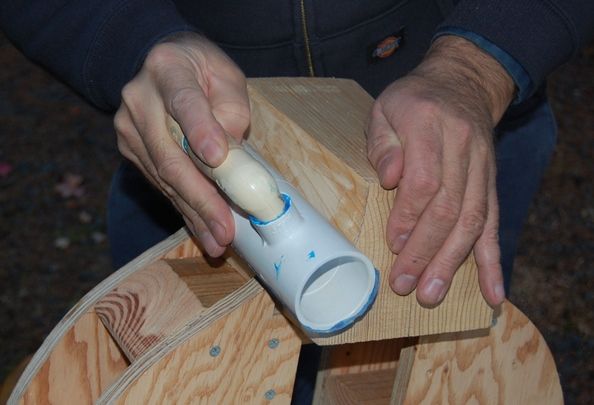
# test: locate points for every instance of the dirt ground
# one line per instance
(57, 155)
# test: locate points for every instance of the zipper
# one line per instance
(308, 57)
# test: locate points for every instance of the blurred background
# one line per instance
(57, 155)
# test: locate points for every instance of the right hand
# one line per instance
(195, 82)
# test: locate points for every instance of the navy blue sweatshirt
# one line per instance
(97, 46)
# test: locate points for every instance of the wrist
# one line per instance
(475, 73)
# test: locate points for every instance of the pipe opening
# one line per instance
(337, 291)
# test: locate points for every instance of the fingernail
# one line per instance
(435, 290)
(218, 230)
(499, 293)
(404, 284)
(399, 242)
(208, 242)
(211, 152)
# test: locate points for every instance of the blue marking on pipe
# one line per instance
(185, 145)
(311, 255)
(345, 323)
(287, 199)
(277, 267)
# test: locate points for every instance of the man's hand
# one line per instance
(430, 134)
(192, 80)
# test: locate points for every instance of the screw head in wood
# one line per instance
(273, 343)
(270, 394)
(215, 351)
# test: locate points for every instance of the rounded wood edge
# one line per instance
(84, 305)
(508, 363)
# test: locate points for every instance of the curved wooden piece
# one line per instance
(509, 364)
(143, 305)
(81, 344)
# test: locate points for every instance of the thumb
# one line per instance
(384, 149)
(230, 104)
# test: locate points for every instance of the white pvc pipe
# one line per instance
(318, 275)
(313, 270)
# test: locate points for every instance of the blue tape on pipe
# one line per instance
(345, 323)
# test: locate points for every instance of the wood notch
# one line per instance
(312, 131)
(155, 301)
(225, 357)
(359, 373)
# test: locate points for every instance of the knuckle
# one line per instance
(170, 169)
(445, 213)
(158, 57)
(129, 93)
(405, 215)
(473, 222)
(121, 123)
(424, 183)
(182, 99)
(428, 107)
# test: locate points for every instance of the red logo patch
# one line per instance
(386, 47)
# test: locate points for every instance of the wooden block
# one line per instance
(224, 357)
(368, 388)
(509, 364)
(349, 367)
(157, 300)
(312, 132)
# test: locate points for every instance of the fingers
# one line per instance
(436, 279)
(431, 223)
(143, 139)
(440, 209)
(384, 150)
(487, 251)
(230, 105)
(186, 102)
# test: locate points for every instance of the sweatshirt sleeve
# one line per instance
(530, 38)
(95, 46)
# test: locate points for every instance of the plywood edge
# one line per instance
(85, 305)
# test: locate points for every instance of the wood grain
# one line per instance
(312, 132)
(368, 388)
(81, 327)
(343, 367)
(510, 364)
(241, 326)
(157, 300)
(83, 363)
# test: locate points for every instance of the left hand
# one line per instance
(430, 134)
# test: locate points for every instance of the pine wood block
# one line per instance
(368, 388)
(312, 132)
(157, 300)
(359, 373)
(509, 364)
(243, 367)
